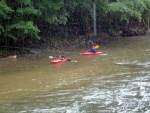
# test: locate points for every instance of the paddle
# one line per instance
(97, 46)
(69, 60)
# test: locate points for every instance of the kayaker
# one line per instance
(61, 56)
(94, 47)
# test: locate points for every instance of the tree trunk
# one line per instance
(148, 23)
(94, 20)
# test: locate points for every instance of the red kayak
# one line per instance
(57, 60)
(91, 53)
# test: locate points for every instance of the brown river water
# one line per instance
(117, 81)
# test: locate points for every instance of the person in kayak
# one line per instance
(93, 50)
(60, 56)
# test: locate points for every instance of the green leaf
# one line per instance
(24, 28)
(5, 10)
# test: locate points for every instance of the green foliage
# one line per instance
(22, 28)
(147, 9)
(53, 12)
(4, 10)
(147, 3)
(128, 9)
(70, 5)
(20, 23)
(84, 8)
(102, 11)
(19, 18)
(1, 29)
(25, 7)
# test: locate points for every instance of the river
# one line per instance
(117, 81)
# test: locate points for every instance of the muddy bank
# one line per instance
(54, 44)
(58, 44)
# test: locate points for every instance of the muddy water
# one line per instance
(116, 81)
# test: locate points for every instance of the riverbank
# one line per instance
(57, 44)
(54, 44)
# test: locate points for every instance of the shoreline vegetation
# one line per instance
(55, 44)
(63, 44)
(32, 26)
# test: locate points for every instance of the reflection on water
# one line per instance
(116, 81)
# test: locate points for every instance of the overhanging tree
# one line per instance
(5, 12)
(124, 11)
